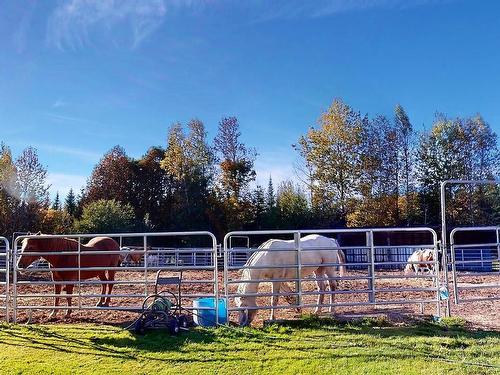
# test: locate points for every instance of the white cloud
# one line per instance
(20, 36)
(85, 155)
(289, 9)
(62, 183)
(77, 23)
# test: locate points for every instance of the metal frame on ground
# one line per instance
(371, 265)
(466, 261)
(4, 278)
(19, 298)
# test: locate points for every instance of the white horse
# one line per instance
(421, 255)
(315, 251)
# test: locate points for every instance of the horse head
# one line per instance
(246, 315)
(28, 245)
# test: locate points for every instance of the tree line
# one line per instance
(354, 171)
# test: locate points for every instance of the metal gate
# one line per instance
(375, 279)
(34, 290)
(4, 278)
(474, 260)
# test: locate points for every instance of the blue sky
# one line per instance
(77, 77)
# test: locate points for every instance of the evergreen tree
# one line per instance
(292, 207)
(270, 196)
(57, 204)
(259, 207)
(237, 160)
(70, 203)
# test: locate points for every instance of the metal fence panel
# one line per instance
(4, 278)
(475, 266)
(374, 272)
(34, 289)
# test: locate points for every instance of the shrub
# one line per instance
(106, 216)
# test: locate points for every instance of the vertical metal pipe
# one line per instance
(370, 254)
(79, 274)
(498, 247)
(444, 246)
(298, 283)
(7, 279)
(436, 275)
(14, 281)
(225, 272)
(145, 243)
(454, 269)
(216, 278)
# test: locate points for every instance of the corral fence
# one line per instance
(374, 276)
(474, 259)
(190, 256)
(4, 278)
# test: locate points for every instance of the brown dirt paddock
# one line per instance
(480, 314)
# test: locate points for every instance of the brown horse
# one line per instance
(53, 245)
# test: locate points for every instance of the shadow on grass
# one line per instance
(158, 340)
(384, 328)
(248, 345)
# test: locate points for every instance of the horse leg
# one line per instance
(321, 290)
(292, 300)
(111, 277)
(69, 290)
(102, 277)
(57, 292)
(274, 298)
(332, 283)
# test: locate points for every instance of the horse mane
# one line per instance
(54, 244)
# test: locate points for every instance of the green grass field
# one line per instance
(307, 347)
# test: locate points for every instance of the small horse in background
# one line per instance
(421, 255)
(130, 254)
(270, 259)
(51, 245)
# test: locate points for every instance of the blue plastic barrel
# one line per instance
(204, 311)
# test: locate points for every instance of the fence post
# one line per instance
(298, 283)
(145, 257)
(437, 277)
(498, 249)
(7, 279)
(225, 275)
(79, 274)
(454, 268)
(370, 254)
(14, 281)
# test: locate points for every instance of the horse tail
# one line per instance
(342, 261)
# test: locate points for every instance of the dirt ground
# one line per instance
(130, 294)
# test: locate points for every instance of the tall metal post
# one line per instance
(370, 255)
(80, 273)
(14, 281)
(298, 283)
